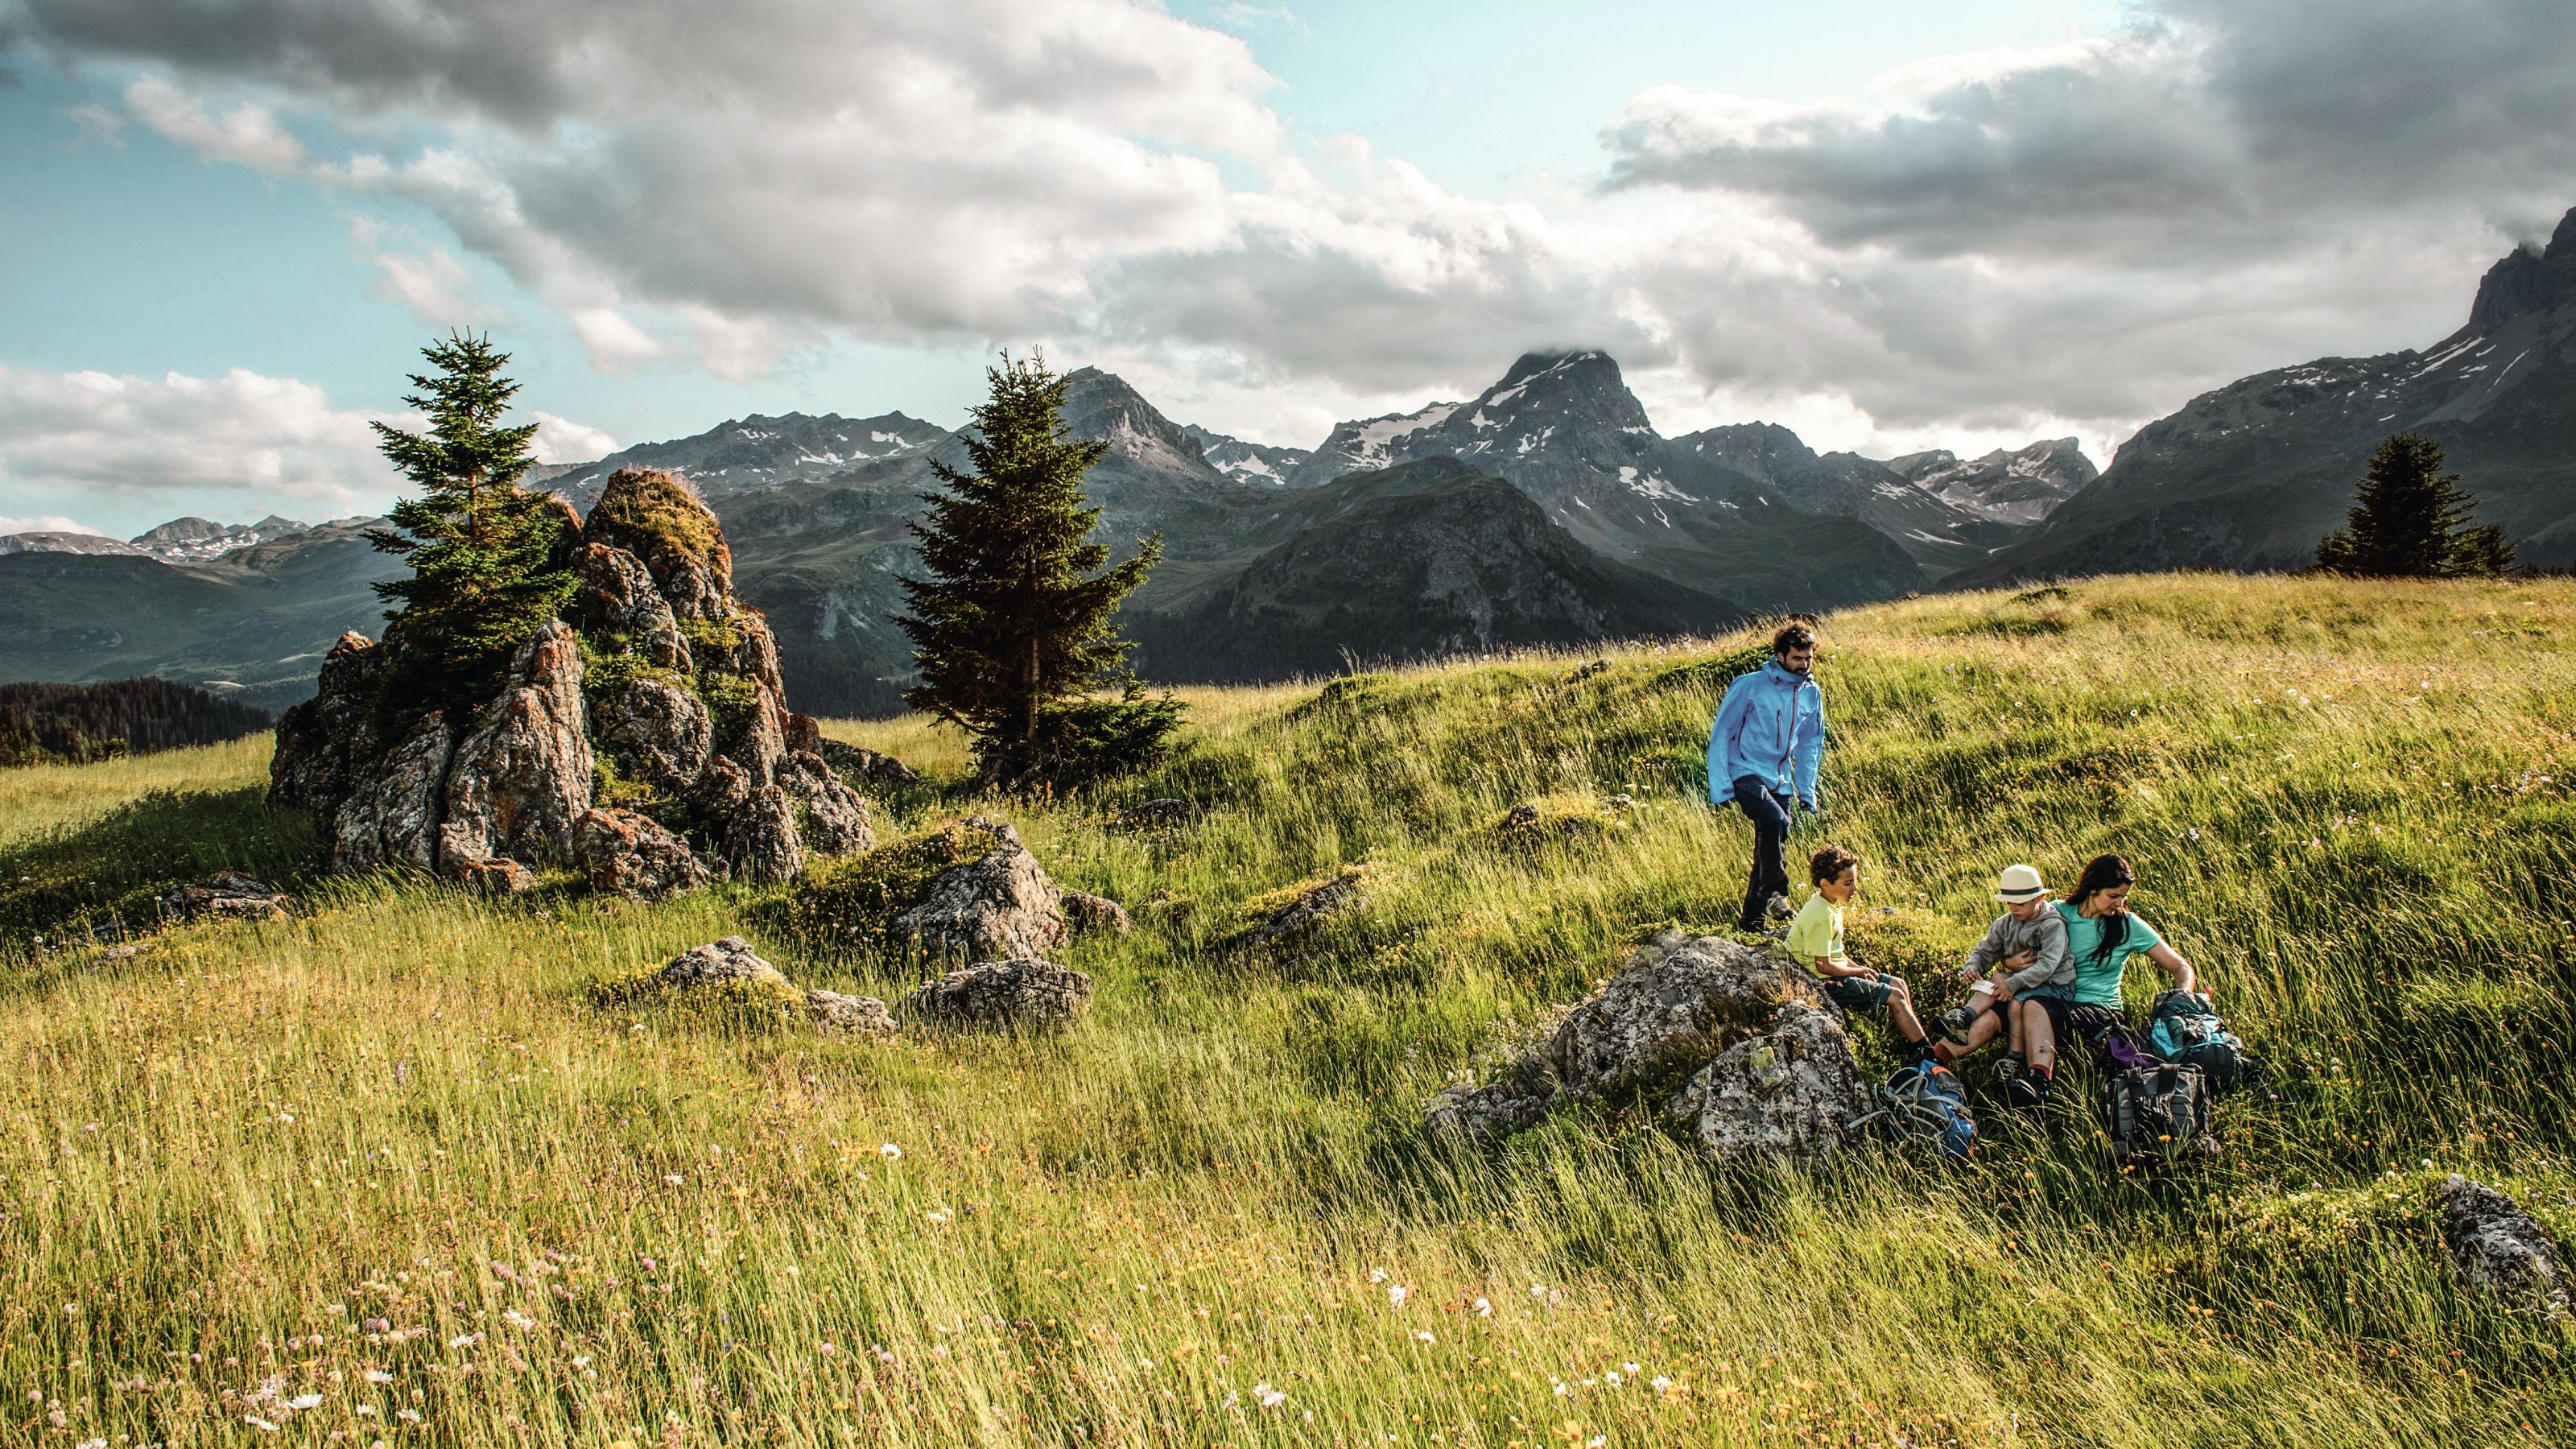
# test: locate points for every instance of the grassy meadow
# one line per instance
(389, 1172)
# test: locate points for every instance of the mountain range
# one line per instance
(2250, 476)
(1545, 510)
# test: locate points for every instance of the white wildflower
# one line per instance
(1484, 1308)
(517, 1320)
(256, 1422)
(465, 1340)
(1269, 1397)
(365, 1410)
(303, 1402)
(1660, 1383)
(379, 1376)
(1377, 1275)
(408, 1416)
(673, 1178)
(1613, 1377)
(889, 1151)
(1425, 1335)
(1395, 1294)
(938, 1216)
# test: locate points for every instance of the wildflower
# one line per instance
(365, 1411)
(889, 1151)
(938, 1216)
(517, 1320)
(256, 1422)
(827, 1347)
(408, 1416)
(302, 1402)
(1631, 1368)
(673, 1178)
(1395, 1294)
(1269, 1397)
(1425, 1335)
(1659, 1383)
(379, 1376)
(1483, 1308)
(1377, 1275)
(465, 1340)
(1613, 1377)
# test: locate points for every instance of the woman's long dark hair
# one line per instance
(2102, 873)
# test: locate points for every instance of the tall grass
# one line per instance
(1188, 1219)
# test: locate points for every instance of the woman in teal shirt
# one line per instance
(2102, 935)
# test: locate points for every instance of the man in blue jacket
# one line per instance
(1765, 750)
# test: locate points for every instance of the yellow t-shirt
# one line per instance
(1817, 931)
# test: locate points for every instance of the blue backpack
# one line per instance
(1926, 1102)
(2184, 1029)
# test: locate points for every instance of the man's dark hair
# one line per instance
(1793, 636)
(2104, 873)
(1828, 864)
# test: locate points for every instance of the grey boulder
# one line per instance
(623, 853)
(1018, 995)
(1789, 1094)
(521, 779)
(2502, 1249)
(999, 907)
(1667, 1014)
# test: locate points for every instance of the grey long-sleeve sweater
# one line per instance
(2043, 934)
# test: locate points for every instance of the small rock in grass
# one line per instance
(225, 895)
(1087, 914)
(729, 959)
(2502, 1249)
(1018, 995)
(855, 1015)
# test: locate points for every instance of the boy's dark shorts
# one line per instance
(2074, 1023)
(1857, 993)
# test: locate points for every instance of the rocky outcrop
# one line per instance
(654, 671)
(1025, 994)
(224, 896)
(390, 815)
(653, 729)
(759, 837)
(623, 853)
(1000, 907)
(520, 780)
(732, 961)
(1790, 1093)
(835, 818)
(1763, 1067)
(322, 740)
(618, 598)
(2501, 1249)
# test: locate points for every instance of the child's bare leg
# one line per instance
(2010, 1012)
(1983, 1029)
(1900, 1009)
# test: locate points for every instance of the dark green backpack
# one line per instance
(2154, 1112)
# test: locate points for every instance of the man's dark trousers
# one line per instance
(1769, 812)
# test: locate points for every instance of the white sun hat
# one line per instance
(2020, 883)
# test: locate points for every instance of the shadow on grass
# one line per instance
(96, 880)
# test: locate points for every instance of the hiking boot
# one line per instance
(1778, 909)
(1952, 1024)
(2028, 1091)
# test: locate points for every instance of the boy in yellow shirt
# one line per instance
(1816, 942)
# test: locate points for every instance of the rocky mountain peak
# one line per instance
(1587, 384)
(2527, 281)
(1101, 405)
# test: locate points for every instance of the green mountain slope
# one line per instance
(1208, 1212)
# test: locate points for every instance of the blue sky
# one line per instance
(1883, 223)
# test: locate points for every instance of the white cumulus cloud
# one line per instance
(270, 437)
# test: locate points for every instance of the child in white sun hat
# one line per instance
(2028, 941)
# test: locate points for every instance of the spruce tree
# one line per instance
(481, 547)
(1012, 630)
(2409, 519)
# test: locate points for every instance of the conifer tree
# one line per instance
(481, 547)
(2409, 519)
(1012, 630)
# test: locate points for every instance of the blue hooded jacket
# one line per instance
(1770, 726)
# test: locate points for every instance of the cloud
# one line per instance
(422, 275)
(561, 440)
(2074, 237)
(46, 523)
(2202, 131)
(90, 433)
